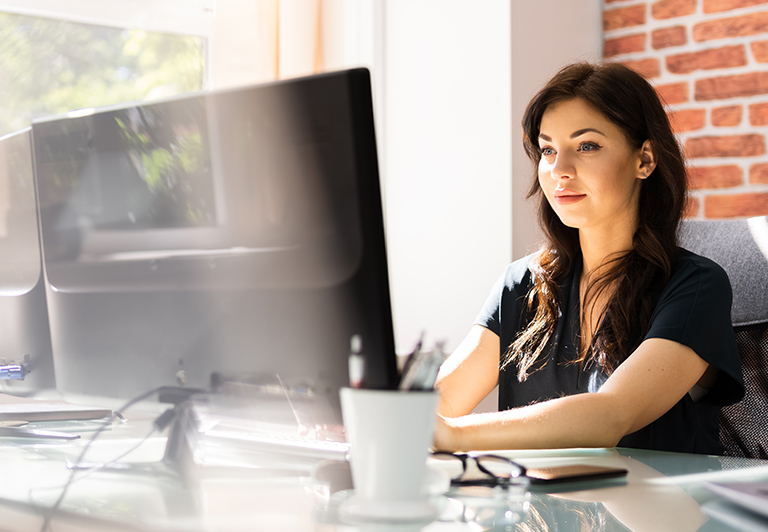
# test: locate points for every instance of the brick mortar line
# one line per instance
(699, 12)
(699, 133)
(693, 163)
(757, 188)
(752, 65)
(700, 75)
(743, 162)
(743, 101)
(688, 21)
(666, 77)
(695, 47)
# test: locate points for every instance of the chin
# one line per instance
(570, 221)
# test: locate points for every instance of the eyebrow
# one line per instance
(575, 134)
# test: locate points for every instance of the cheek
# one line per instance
(546, 182)
(544, 171)
(624, 178)
(545, 167)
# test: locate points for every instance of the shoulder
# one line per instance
(700, 274)
(519, 271)
(697, 288)
(690, 261)
(517, 278)
(506, 296)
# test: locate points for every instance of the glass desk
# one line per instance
(662, 492)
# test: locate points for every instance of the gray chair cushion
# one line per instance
(741, 248)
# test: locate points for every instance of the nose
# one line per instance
(562, 168)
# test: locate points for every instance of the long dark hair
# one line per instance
(633, 279)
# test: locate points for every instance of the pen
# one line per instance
(413, 355)
(356, 362)
(23, 432)
(422, 370)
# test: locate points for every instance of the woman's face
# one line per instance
(589, 173)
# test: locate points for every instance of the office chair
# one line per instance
(741, 248)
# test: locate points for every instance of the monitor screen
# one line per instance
(234, 233)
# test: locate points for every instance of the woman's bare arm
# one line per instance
(655, 377)
(469, 374)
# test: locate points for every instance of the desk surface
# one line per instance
(663, 492)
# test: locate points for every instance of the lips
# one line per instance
(567, 197)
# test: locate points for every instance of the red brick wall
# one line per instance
(709, 61)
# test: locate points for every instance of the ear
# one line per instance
(647, 161)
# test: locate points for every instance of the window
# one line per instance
(51, 66)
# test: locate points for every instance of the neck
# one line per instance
(597, 246)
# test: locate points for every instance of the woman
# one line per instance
(610, 334)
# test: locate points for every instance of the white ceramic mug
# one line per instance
(389, 432)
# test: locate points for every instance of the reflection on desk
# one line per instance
(272, 492)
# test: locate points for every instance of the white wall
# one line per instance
(447, 161)
(457, 77)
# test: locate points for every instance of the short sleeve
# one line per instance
(490, 315)
(506, 297)
(694, 309)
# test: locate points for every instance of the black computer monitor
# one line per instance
(237, 233)
(25, 340)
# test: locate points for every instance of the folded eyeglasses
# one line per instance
(499, 471)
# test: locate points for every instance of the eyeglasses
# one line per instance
(499, 471)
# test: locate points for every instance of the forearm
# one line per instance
(584, 420)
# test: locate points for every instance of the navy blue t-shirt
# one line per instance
(693, 309)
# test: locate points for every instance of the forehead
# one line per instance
(563, 118)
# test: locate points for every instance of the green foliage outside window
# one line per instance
(50, 67)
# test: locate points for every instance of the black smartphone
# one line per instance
(572, 473)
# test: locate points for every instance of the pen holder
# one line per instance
(389, 433)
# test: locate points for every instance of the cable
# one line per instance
(87, 473)
(164, 417)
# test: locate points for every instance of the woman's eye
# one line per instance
(589, 146)
(547, 151)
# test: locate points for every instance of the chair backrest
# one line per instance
(741, 248)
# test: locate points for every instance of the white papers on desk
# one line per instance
(255, 437)
(752, 496)
(14, 408)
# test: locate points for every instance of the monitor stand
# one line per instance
(178, 456)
